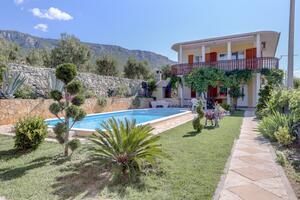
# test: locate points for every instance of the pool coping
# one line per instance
(144, 123)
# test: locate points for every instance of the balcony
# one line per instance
(229, 65)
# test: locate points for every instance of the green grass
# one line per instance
(192, 171)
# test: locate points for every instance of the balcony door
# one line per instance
(211, 58)
(191, 59)
(251, 61)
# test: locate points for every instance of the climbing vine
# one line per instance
(201, 78)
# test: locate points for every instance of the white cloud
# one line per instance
(18, 2)
(51, 13)
(41, 27)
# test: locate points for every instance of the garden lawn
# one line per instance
(192, 169)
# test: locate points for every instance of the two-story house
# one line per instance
(253, 51)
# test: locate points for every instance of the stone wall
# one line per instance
(11, 110)
(38, 77)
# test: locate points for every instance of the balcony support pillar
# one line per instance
(181, 85)
(258, 83)
(203, 53)
(180, 54)
(258, 46)
(228, 97)
(229, 50)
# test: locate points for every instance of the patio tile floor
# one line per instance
(252, 173)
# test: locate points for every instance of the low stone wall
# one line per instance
(11, 110)
(37, 77)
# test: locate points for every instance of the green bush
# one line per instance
(264, 97)
(283, 136)
(271, 123)
(125, 146)
(30, 133)
(26, 92)
(102, 101)
(225, 106)
(280, 158)
(136, 102)
(88, 93)
(122, 91)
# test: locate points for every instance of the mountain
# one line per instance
(26, 41)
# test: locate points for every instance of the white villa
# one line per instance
(254, 51)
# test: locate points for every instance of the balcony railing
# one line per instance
(229, 65)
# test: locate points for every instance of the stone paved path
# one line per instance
(252, 173)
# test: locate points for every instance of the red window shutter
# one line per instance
(207, 57)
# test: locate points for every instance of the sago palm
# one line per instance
(126, 146)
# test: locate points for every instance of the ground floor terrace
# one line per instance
(220, 93)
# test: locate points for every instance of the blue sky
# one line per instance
(152, 25)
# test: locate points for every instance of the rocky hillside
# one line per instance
(121, 54)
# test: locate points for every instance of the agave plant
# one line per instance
(54, 83)
(11, 85)
(126, 146)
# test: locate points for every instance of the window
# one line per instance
(235, 56)
(241, 55)
(197, 59)
(222, 56)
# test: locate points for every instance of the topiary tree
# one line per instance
(67, 104)
(197, 120)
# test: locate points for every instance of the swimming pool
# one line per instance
(142, 116)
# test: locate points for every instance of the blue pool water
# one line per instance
(140, 115)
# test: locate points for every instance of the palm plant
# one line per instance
(126, 146)
(11, 85)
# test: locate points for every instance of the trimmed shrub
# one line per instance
(197, 124)
(102, 101)
(283, 136)
(30, 133)
(197, 120)
(66, 72)
(270, 124)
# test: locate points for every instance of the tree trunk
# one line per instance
(67, 137)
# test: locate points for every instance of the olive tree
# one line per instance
(106, 66)
(70, 50)
(67, 106)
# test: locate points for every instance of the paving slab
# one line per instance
(251, 172)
